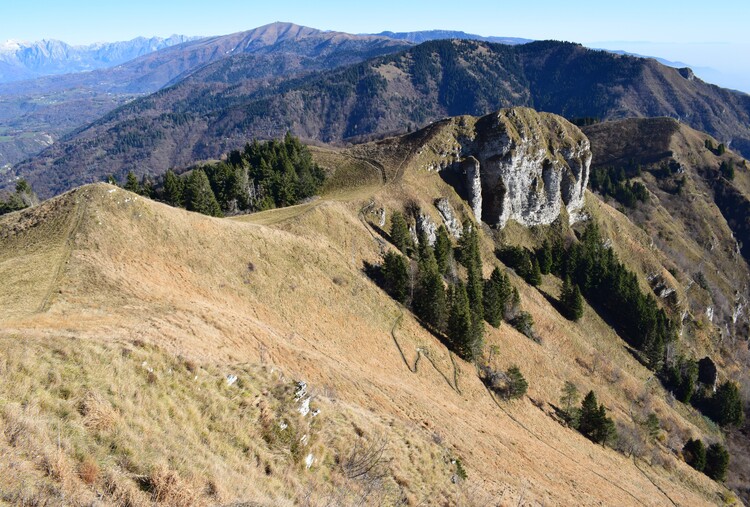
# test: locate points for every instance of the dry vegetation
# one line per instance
(114, 365)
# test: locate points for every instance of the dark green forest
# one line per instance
(263, 176)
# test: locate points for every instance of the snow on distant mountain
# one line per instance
(20, 60)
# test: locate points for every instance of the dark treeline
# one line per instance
(22, 198)
(264, 175)
(615, 183)
(589, 268)
(614, 292)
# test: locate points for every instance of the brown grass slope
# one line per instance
(102, 271)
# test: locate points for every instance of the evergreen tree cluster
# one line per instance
(524, 262)
(445, 303)
(712, 461)
(22, 198)
(264, 175)
(615, 183)
(614, 292)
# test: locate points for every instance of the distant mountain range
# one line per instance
(263, 94)
(34, 114)
(428, 35)
(27, 60)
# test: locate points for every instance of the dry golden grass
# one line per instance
(146, 285)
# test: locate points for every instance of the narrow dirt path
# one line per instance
(81, 206)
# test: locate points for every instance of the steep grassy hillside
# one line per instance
(383, 95)
(688, 214)
(134, 314)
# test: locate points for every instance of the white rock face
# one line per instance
(449, 217)
(525, 166)
(531, 164)
(473, 178)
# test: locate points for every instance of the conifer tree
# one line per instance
(459, 322)
(594, 423)
(517, 384)
(694, 453)
(545, 258)
(429, 297)
(535, 274)
(131, 183)
(726, 404)
(474, 290)
(589, 415)
(717, 462)
(400, 236)
(396, 276)
(571, 300)
(443, 250)
(199, 196)
(497, 292)
(468, 245)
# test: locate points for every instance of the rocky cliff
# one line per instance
(516, 164)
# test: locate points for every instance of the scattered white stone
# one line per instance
(111, 190)
(283, 425)
(231, 379)
(309, 460)
(315, 412)
(304, 439)
(304, 408)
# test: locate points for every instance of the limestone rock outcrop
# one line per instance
(519, 164)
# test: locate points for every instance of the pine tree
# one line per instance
(400, 236)
(199, 196)
(594, 423)
(429, 297)
(474, 290)
(544, 257)
(131, 183)
(535, 274)
(396, 276)
(497, 292)
(589, 420)
(443, 250)
(468, 247)
(459, 322)
(694, 453)
(173, 189)
(517, 384)
(717, 462)
(726, 405)
(571, 300)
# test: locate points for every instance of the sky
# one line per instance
(710, 36)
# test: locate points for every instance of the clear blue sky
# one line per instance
(701, 33)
